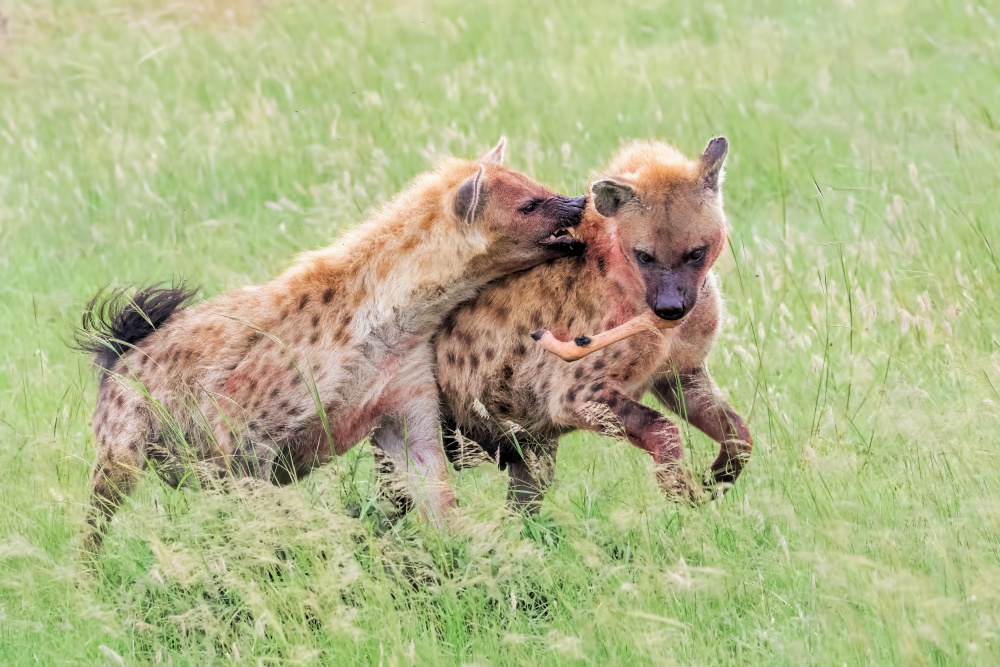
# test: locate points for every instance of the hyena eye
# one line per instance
(643, 257)
(696, 255)
(529, 207)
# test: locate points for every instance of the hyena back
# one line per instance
(654, 226)
(272, 380)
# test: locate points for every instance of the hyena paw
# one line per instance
(713, 487)
(679, 485)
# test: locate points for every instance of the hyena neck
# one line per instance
(398, 277)
(604, 251)
(593, 228)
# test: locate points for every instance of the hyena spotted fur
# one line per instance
(654, 226)
(272, 380)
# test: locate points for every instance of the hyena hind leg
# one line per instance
(530, 478)
(114, 477)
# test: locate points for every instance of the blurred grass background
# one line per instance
(212, 140)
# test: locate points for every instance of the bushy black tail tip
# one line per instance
(116, 320)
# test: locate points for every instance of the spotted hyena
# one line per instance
(654, 226)
(272, 380)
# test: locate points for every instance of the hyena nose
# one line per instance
(574, 209)
(670, 307)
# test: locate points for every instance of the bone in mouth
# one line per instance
(583, 345)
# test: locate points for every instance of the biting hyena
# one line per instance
(272, 380)
(654, 226)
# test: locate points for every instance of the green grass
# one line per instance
(142, 140)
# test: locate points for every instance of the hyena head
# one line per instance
(668, 212)
(514, 222)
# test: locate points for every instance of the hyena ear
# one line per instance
(711, 163)
(470, 198)
(496, 154)
(610, 196)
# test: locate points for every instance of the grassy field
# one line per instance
(213, 139)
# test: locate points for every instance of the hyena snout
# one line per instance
(563, 214)
(671, 298)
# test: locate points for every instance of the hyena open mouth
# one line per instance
(565, 239)
(565, 233)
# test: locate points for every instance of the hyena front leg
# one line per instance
(410, 440)
(392, 486)
(694, 396)
(610, 411)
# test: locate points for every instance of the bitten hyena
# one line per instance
(654, 226)
(272, 380)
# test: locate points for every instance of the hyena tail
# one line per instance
(115, 321)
